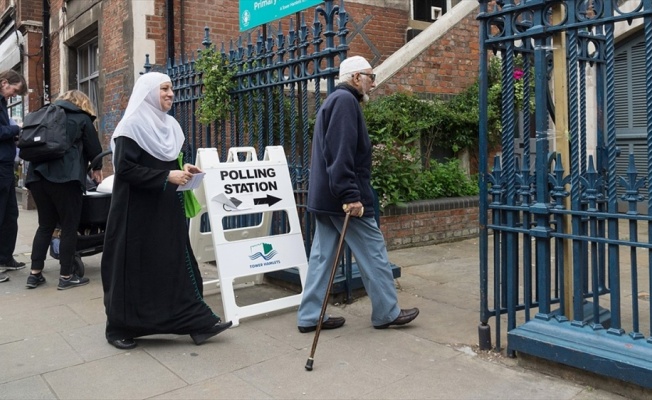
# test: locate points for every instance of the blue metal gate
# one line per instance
(569, 269)
(281, 78)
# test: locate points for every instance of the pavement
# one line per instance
(52, 344)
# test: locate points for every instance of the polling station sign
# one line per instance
(258, 12)
(262, 189)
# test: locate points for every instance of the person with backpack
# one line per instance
(11, 84)
(58, 187)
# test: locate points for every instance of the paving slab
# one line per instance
(36, 355)
(34, 388)
(128, 375)
(223, 387)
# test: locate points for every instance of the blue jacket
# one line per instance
(340, 170)
(8, 135)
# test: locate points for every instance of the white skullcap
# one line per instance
(353, 64)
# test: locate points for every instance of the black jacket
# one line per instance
(340, 170)
(8, 134)
(73, 165)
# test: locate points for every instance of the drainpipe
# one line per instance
(169, 4)
(182, 29)
(46, 53)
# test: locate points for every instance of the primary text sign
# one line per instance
(258, 12)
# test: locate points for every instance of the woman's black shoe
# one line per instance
(123, 344)
(202, 336)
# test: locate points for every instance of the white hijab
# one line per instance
(156, 132)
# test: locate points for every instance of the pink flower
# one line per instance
(518, 73)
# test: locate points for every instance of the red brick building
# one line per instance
(99, 46)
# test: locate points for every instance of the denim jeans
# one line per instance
(368, 246)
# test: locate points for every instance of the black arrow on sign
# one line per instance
(269, 200)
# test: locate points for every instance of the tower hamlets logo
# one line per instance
(264, 250)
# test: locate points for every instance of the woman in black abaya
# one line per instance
(150, 276)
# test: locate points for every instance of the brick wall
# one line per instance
(55, 49)
(447, 67)
(220, 16)
(115, 41)
(427, 222)
(116, 74)
(29, 10)
(375, 31)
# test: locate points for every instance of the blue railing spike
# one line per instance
(207, 38)
(147, 65)
(632, 184)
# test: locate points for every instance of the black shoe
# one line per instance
(202, 336)
(12, 265)
(3, 277)
(71, 282)
(123, 344)
(33, 280)
(330, 323)
(404, 317)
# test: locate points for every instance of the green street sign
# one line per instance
(258, 12)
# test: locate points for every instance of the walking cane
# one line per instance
(311, 359)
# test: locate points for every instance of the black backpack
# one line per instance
(44, 136)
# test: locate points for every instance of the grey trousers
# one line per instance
(368, 246)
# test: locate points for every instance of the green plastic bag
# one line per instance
(190, 202)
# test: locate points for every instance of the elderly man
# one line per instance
(340, 181)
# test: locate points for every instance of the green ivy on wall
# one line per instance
(217, 78)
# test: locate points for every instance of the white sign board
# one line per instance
(260, 189)
(201, 240)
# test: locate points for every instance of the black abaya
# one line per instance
(151, 280)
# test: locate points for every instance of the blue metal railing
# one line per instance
(279, 76)
(553, 238)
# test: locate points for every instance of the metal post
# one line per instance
(561, 144)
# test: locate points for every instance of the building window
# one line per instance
(429, 10)
(87, 70)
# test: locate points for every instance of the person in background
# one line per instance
(152, 283)
(340, 182)
(11, 84)
(58, 187)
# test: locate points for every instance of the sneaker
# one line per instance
(33, 280)
(72, 282)
(12, 265)
(3, 277)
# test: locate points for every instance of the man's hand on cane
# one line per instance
(356, 209)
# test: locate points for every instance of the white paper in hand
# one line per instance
(193, 183)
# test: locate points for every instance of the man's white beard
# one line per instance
(365, 98)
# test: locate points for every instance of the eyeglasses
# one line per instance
(372, 76)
